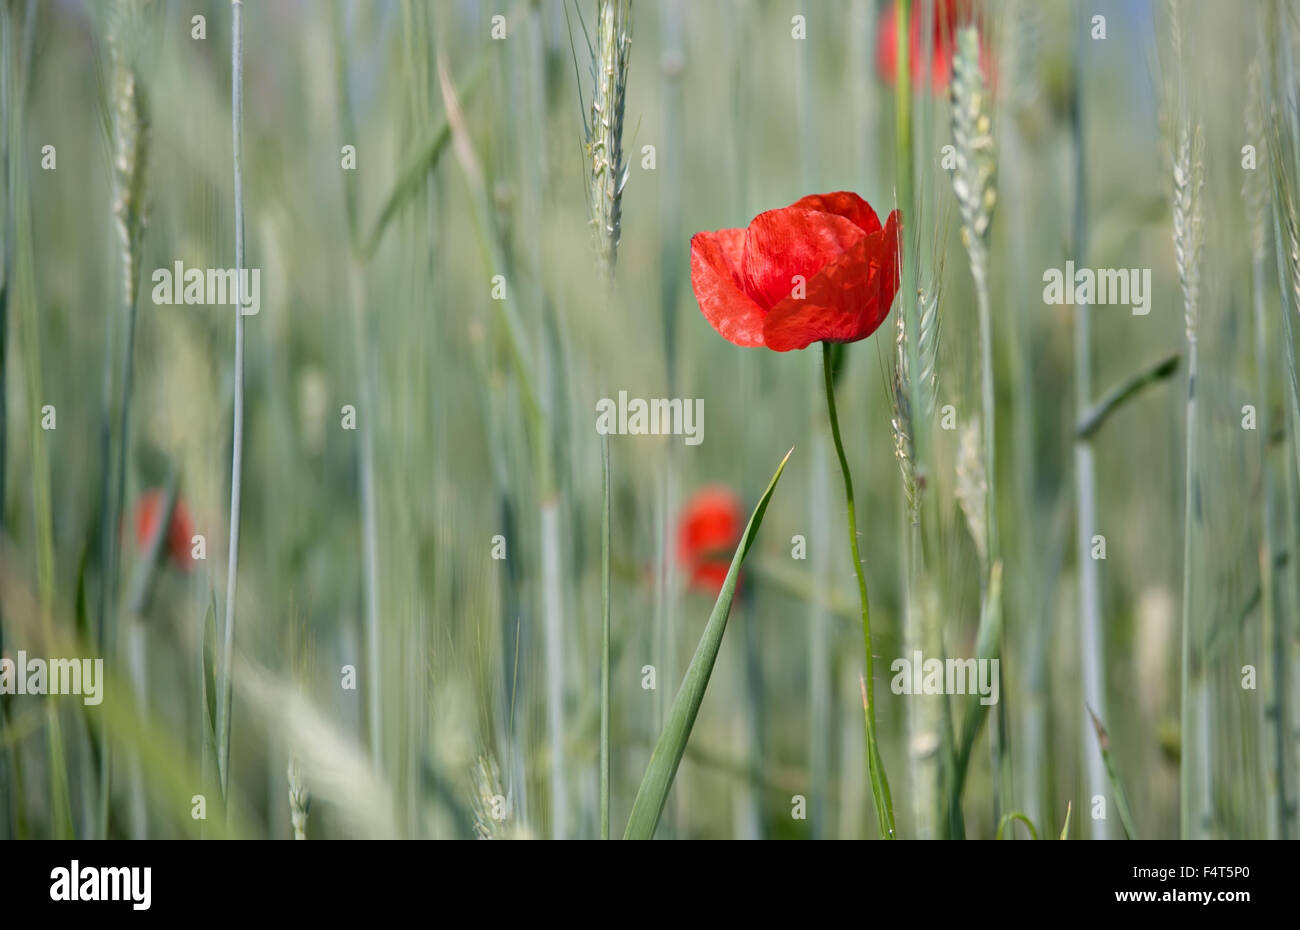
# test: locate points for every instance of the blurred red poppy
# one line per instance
(177, 544)
(707, 536)
(819, 269)
(948, 16)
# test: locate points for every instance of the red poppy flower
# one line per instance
(707, 536)
(819, 269)
(179, 533)
(948, 16)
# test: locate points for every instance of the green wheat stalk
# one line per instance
(1283, 128)
(606, 178)
(975, 187)
(1188, 172)
(1092, 646)
(237, 433)
(130, 122)
(604, 638)
(1255, 197)
(1188, 240)
(909, 443)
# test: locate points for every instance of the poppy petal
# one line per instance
(716, 263)
(833, 308)
(843, 203)
(887, 279)
(782, 244)
(846, 301)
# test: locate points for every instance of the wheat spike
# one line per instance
(1189, 178)
(487, 799)
(973, 184)
(299, 799)
(130, 139)
(928, 342)
(1280, 154)
(1292, 249)
(972, 131)
(608, 171)
(901, 422)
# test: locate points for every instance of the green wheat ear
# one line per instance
(608, 170)
(130, 155)
(972, 130)
(130, 106)
(1189, 179)
(299, 798)
(901, 421)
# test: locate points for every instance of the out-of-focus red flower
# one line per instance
(707, 536)
(822, 268)
(177, 544)
(948, 16)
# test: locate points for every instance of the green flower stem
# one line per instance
(879, 781)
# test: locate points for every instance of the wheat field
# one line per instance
(411, 424)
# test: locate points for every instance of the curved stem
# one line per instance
(879, 782)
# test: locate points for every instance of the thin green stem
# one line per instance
(904, 171)
(1187, 817)
(604, 640)
(903, 105)
(369, 516)
(1271, 610)
(913, 559)
(879, 781)
(237, 436)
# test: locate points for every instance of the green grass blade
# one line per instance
(1016, 815)
(1122, 393)
(987, 646)
(208, 683)
(1117, 789)
(131, 726)
(417, 167)
(667, 755)
(1065, 830)
(81, 603)
(208, 660)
